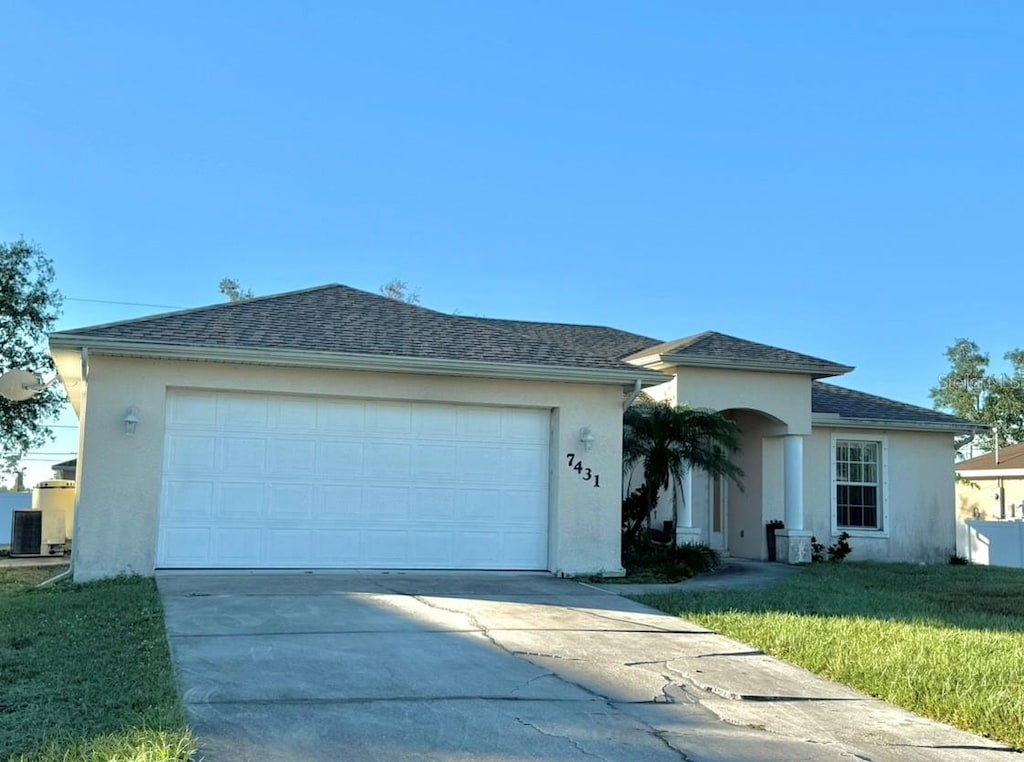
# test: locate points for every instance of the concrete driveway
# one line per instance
(458, 666)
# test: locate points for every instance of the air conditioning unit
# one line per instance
(27, 533)
(45, 530)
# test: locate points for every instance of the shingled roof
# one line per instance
(860, 407)
(343, 320)
(713, 349)
(1011, 457)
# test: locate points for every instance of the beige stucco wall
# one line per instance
(979, 499)
(922, 524)
(783, 396)
(120, 476)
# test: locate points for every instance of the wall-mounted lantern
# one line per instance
(131, 421)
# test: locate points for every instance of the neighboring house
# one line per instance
(66, 470)
(992, 485)
(990, 505)
(334, 428)
(9, 503)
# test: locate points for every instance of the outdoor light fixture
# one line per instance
(586, 438)
(131, 421)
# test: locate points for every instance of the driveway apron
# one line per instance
(303, 667)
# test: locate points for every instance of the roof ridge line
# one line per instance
(189, 310)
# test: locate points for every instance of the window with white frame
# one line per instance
(859, 498)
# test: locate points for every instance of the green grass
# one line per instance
(86, 673)
(946, 642)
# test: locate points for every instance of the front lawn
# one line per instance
(86, 673)
(946, 642)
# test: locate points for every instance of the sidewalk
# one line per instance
(33, 561)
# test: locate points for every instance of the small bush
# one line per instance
(667, 563)
(836, 553)
(958, 560)
(817, 551)
(841, 549)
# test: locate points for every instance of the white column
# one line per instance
(686, 514)
(794, 482)
(686, 532)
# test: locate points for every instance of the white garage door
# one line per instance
(284, 482)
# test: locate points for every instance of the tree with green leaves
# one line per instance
(666, 440)
(29, 307)
(399, 291)
(233, 290)
(970, 391)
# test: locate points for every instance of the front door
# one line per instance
(718, 503)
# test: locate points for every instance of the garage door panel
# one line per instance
(287, 547)
(337, 547)
(293, 414)
(291, 457)
(521, 465)
(431, 504)
(192, 409)
(478, 548)
(431, 549)
(523, 508)
(339, 458)
(187, 546)
(524, 549)
(434, 462)
(385, 547)
(289, 501)
(384, 504)
(387, 460)
(238, 501)
(188, 500)
(479, 506)
(389, 418)
(525, 426)
(341, 416)
(191, 452)
(479, 423)
(479, 464)
(243, 455)
(340, 502)
(243, 411)
(256, 480)
(239, 546)
(436, 422)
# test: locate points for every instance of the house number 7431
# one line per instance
(585, 473)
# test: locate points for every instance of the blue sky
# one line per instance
(841, 179)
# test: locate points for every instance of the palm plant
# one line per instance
(666, 440)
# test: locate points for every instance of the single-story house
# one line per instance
(334, 428)
(990, 507)
(67, 469)
(991, 486)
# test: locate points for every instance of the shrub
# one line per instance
(841, 549)
(667, 563)
(836, 553)
(817, 551)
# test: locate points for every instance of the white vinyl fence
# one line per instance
(996, 543)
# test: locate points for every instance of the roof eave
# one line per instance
(989, 473)
(835, 420)
(670, 360)
(360, 362)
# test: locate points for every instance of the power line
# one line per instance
(126, 304)
(54, 454)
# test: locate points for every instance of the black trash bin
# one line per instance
(769, 531)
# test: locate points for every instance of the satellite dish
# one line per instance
(20, 385)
